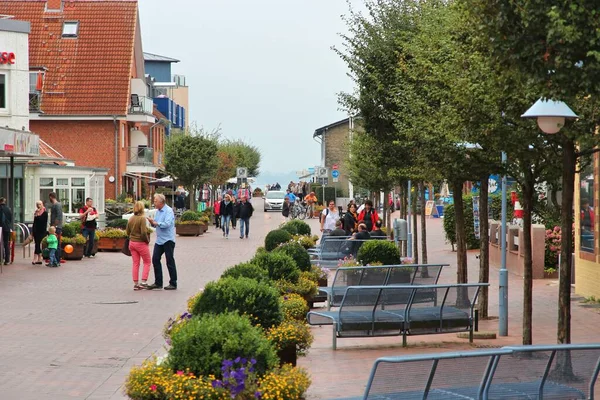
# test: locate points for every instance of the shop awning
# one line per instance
(14, 143)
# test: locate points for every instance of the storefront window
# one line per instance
(587, 217)
(71, 193)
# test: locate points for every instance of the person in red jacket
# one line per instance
(368, 215)
(587, 216)
(217, 212)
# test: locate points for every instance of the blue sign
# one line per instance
(335, 173)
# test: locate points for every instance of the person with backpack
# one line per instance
(329, 216)
(350, 220)
(368, 215)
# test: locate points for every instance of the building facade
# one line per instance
(88, 95)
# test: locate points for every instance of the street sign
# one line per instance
(335, 180)
(335, 166)
(322, 172)
(242, 172)
(335, 174)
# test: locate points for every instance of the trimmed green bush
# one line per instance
(259, 300)
(278, 265)
(291, 229)
(275, 238)
(71, 229)
(203, 343)
(302, 227)
(246, 270)
(378, 251)
(190, 216)
(297, 252)
(117, 223)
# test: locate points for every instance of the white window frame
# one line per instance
(70, 33)
(6, 75)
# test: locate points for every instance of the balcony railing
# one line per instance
(140, 155)
(35, 102)
(141, 105)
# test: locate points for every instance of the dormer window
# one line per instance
(70, 29)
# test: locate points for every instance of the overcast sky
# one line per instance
(261, 69)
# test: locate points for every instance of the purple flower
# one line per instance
(252, 361)
(217, 384)
(257, 395)
(244, 361)
(237, 360)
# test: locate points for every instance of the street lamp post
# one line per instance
(551, 116)
(503, 289)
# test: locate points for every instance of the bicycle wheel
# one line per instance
(302, 213)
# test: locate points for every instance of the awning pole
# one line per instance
(11, 188)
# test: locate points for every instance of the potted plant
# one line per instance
(78, 243)
(111, 239)
(318, 211)
(189, 224)
(205, 220)
(291, 339)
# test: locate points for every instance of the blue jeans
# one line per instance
(168, 249)
(53, 260)
(90, 235)
(225, 219)
(244, 222)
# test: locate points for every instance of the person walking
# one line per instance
(246, 211)
(217, 212)
(6, 220)
(236, 213)
(329, 216)
(89, 216)
(56, 220)
(368, 215)
(164, 222)
(226, 211)
(53, 243)
(351, 220)
(286, 209)
(39, 231)
(138, 245)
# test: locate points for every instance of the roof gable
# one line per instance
(87, 75)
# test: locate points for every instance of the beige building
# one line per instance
(334, 139)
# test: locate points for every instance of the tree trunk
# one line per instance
(385, 209)
(461, 242)
(404, 203)
(423, 224)
(484, 249)
(193, 198)
(527, 202)
(415, 231)
(566, 245)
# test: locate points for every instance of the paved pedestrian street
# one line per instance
(75, 332)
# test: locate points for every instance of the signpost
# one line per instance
(476, 217)
(429, 207)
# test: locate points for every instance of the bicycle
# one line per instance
(299, 211)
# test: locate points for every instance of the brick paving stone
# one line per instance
(60, 336)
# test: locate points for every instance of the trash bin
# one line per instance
(440, 212)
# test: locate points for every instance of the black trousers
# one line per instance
(5, 246)
(168, 249)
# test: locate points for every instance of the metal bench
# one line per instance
(335, 249)
(384, 275)
(518, 373)
(401, 310)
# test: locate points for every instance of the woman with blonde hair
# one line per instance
(139, 239)
(39, 231)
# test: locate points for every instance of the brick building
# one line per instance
(94, 106)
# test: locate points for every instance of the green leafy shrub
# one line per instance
(297, 252)
(259, 300)
(203, 343)
(112, 233)
(71, 229)
(305, 286)
(247, 270)
(275, 238)
(190, 216)
(308, 242)
(378, 251)
(302, 227)
(292, 230)
(450, 223)
(278, 265)
(77, 239)
(117, 223)
(294, 307)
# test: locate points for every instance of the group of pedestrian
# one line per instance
(300, 189)
(229, 211)
(362, 225)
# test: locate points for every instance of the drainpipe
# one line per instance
(116, 156)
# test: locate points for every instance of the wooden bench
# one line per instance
(384, 275)
(518, 373)
(401, 310)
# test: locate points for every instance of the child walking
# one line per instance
(52, 246)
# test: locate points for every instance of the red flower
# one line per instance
(153, 388)
(180, 373)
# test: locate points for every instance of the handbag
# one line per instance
(28, 240)
(125, 250)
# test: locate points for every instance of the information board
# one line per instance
(429, 208)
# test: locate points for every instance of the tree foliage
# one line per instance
(243, 155)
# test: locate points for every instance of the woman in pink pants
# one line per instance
(138, 244)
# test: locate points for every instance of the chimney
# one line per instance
(54, 5)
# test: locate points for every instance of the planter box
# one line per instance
(322, 282)
(109, 244)
(189, 230)
(76, 254)
(287, 355)
(204, 228)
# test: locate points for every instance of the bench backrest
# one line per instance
(415, 377)
(338, 248)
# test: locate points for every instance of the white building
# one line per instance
(14, 74)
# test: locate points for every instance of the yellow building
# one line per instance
(587, 232)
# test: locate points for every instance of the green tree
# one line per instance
(245, 155)
(192, 160)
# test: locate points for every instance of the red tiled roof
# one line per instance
(89, 75)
